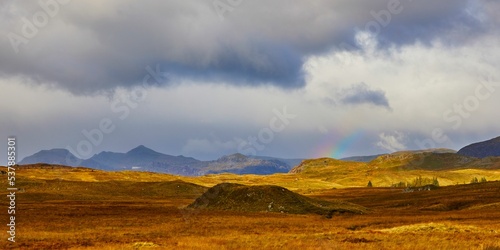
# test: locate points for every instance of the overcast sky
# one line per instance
(204, 78)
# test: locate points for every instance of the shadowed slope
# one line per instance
(236, 197)
(482, 149)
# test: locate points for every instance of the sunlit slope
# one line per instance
(391, 169)
(315, 174)
(408, 160)
(45, 172)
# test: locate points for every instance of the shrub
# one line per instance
(420, 182)
(401, 184)
(474, 180)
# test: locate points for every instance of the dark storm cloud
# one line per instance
(111, 43)
(362, 94)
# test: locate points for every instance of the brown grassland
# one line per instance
(67, 208)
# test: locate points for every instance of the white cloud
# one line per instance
(419, 81)
(392, 142)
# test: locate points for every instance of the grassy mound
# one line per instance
(236, 197)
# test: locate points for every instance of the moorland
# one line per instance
(61, 207)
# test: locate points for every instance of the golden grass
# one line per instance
(324, 177)
(437, 227)
(157, 221)
(146, 225)
(495, 205)
(91, 209)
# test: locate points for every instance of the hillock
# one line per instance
(268, 198)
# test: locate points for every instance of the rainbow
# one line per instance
(335, 144)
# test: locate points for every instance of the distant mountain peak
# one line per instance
(234, 158)
(55, 150)
(141, 149)
(58, 156)
(238, 155)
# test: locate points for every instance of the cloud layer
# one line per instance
(362, 94)
(392, 142)
(256, 43)
(346, 69)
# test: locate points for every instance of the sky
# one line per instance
(207, 78)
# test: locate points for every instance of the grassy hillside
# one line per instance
(386, 170)
(311, 175)
(433, 161)
(236, 197)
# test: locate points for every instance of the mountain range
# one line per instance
(145, 159)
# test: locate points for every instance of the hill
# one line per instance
(366, 158)
(412, 160)
(57, 156)
(369, 158)
(403, 160)
(236, 197)
(400, 167)
(482, 149)
(241, 164)
(322, 165)
(290, 163)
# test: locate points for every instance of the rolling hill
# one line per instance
(425, 160)
(365, 158)
(401, 167)
(290, 163)
(241, 164)
(434, 160)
